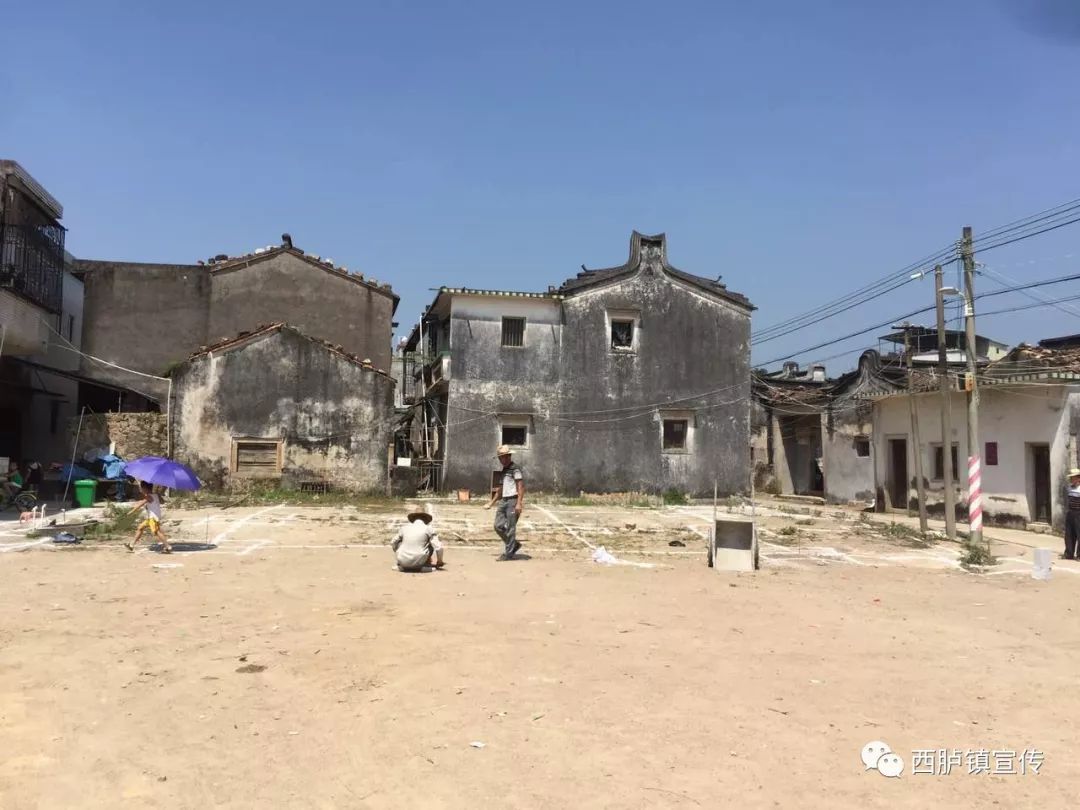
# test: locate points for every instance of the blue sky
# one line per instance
(799, 149)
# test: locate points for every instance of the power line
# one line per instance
(1047, 229)
(872, 290)
(1032, 225)
(1020, 224)
(913, 313)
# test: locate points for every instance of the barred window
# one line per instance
(513, 332)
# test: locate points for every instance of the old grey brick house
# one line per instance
(630, 378)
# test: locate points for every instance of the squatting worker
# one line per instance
(1072, 516)
(510, 500)
(417, 544)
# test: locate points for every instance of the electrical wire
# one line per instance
(1024, 228)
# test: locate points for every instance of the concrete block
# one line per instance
(733, 545)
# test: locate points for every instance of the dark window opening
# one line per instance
(862, 448)
(513, 332)
(54, 416)
(622, 334)
(71, 327)
(939, 463)
(675, 432)
(991, 454)
(514, 435)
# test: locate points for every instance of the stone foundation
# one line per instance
(134, 434)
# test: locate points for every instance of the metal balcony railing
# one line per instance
(32, 263)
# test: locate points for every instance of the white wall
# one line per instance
(1014, 417)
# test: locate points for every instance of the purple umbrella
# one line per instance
(162, 472)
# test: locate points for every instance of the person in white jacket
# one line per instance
(417, 544)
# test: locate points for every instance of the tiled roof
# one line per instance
(500, 293)
(228, 344)
(226, 263)
(1029, 363)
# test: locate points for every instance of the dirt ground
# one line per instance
(278, 660)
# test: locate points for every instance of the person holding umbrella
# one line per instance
(151, 502)
(151, 470)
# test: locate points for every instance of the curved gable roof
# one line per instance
(650, 251)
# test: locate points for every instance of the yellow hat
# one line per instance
(1074, 473)
(504, 450)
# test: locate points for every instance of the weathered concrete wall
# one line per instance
(487, 377)
(334, 418)
(135, 434)
(151, 317)
(286, 288)
(798, 441)
(1015, 418)
(760, 442)
(595, 424)
(146, 317)
(848, 476)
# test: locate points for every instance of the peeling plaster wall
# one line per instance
(687, 342)
(1015, 417)
(848, 477)
(333, 417)
(285, 288)
(491, 378)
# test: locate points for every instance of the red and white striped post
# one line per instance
(974, 494)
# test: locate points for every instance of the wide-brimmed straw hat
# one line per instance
(1074, 473)
(504, 450)
(419, 515)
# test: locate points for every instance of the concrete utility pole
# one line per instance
(967, 253)
(920, 485)
(946, 406)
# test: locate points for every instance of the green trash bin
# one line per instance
(85, 490)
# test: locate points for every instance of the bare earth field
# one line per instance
(278, 660)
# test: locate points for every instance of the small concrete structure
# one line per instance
(733, 545)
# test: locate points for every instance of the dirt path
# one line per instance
(300, 674)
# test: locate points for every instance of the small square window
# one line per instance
(991, 454)
(675, 433)
(513, 332)
(515, 435)
(862, 448)
(622, 334)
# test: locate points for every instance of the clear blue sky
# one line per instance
(798, 149)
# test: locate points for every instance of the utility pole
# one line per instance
(920, 486)
(946, 406)
(972, 387)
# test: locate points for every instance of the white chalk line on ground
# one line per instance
(573, 533)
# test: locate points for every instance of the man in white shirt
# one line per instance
(510, 498)
(417, 544)
(1072, 516)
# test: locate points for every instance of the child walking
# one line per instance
(151, 502)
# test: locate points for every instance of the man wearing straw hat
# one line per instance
(510, 497)
(1072, 516)
(417, 544)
